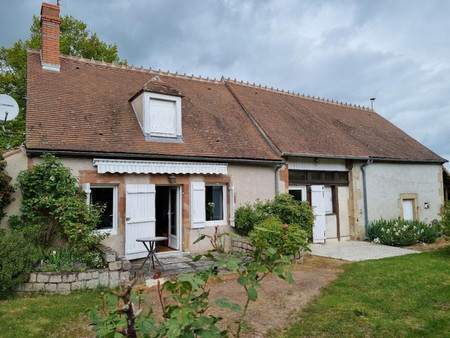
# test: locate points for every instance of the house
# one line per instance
(174, 155)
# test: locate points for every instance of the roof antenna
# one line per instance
(8, 111)
(372, 103)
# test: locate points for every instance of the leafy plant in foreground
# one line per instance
(17, 255)
(53, 206)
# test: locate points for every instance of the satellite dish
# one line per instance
(8, 108)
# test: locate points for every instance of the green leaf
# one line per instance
(242, 280)
(252, 294)
(200, 238)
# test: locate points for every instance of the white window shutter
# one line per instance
(318, 203)
(232, 207)
(198, 212)
(87, 189)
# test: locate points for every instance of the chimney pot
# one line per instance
(50, 37)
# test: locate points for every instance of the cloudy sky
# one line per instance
(346, 50)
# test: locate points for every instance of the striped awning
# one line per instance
(158, 167)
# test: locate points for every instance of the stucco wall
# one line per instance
(16, 161)
(387, 181)
(252, 182)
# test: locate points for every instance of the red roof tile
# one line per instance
(86, 108)
(304, 126)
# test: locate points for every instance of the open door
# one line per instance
(140, 218)
(318, 203)
(173, 218)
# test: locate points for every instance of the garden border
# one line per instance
(65, 282)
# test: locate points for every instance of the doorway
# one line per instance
(167, 205)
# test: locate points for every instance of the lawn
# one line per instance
(406, 296)
(44, 316)
(400, 296)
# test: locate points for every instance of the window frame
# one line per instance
(112, 231)
(321, 180)
(224, 205)
(177, 135)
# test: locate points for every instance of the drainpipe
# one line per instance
(366, 215)
(277, 179)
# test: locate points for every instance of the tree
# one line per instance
(75, 39)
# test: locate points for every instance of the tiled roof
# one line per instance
(305, 126)
(86, 108)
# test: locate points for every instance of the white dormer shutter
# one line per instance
(163, 117)
(198, 212)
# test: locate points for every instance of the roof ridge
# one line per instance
(207, 79)
(142, 69)
(304, 96)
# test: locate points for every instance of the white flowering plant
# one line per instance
(401, 233)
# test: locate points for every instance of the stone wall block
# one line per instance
(126, 265)
(38, 287)
(84, 276)
(63, 287)
(92, 283)
(33, 277)
(68, 278)
(113, 278)
(56, 278)
(95, 274)
(110, 257)
(50, 287)
(42, 278)
(124, 275)
(103, 278)
(81, 284)
(115, 266)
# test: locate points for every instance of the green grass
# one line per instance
(44, 316)
(406, 296)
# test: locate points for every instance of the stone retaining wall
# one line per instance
(242, 245)
(65, 282)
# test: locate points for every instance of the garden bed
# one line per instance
(65, 282)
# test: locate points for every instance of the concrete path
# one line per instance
(358, 250)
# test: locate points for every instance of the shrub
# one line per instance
(17, 255)
(247, 216)
(53, 206)
(401, 233)
(290, 211)
(6, 190)
(283, 207)
(288, 239)
(445, 219)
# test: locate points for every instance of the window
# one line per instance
(105, 196)
(215, 204)
(318, 177)
(328, 196)
(299, 193)
(159, 116)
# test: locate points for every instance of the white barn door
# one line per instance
(140, 218)
(318, 203)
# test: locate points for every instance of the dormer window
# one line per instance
(159, 114)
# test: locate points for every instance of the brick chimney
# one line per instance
(50, 37)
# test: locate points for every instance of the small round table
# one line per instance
(151, 249)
